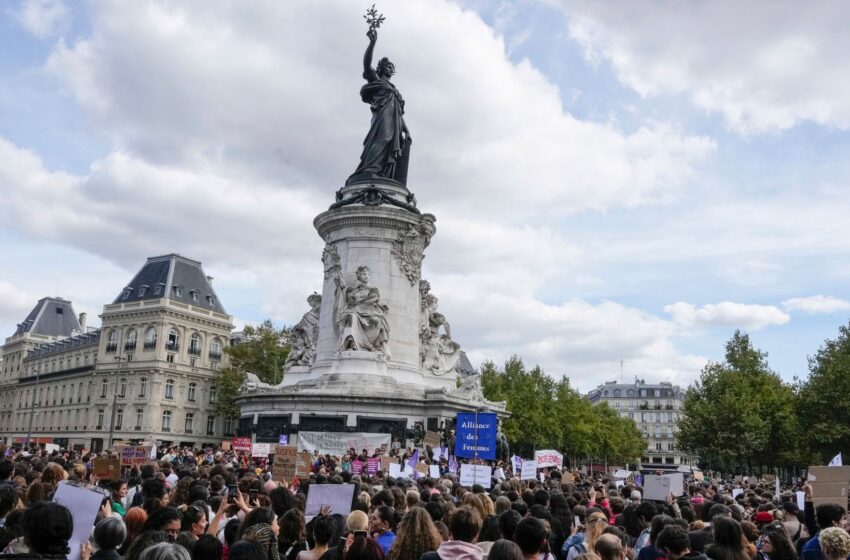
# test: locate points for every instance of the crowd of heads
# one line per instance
(214, 505)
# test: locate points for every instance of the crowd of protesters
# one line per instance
(215, 505)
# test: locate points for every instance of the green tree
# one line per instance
(824, 399)
(549, 414)
(739, 411)
(263, 353)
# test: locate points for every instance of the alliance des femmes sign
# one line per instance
(476, 435)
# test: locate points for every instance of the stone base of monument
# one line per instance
(375, 356)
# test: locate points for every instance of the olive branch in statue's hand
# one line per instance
(374, 19)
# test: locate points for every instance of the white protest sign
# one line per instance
(542, 477)
(777, 488)
(499, 473)
(801, 500)
(659, 487)
(529, 470)
(737, 492)
(548, 458)
(475, 474)
(622, 473)
(619, 483)
(84, 503)
(260, 449)
(396, 472)
(338, 496)
(434, 471)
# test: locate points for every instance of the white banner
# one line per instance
(660, 487)
(338, 443)
(548, 458)
(475, 474)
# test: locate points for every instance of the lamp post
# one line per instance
(32, 408)
(119, 359)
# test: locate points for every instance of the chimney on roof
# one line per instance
(83, 322)
(210, 279)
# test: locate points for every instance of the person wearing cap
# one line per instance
(791, 522)
(762, 518)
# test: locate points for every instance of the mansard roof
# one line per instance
(174, 277)
(51, 316)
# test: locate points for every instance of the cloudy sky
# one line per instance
(612, 180)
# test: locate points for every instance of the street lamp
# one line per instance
(119, 359)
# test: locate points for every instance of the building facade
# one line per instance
(147, 372)
(655, 409)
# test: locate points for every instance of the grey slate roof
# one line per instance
(91, 338)
(51, 317)
(159, 277)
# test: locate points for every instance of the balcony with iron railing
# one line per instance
(215, 355)
(194, 351)
(130, 346)
(150, 345)
(111, 346)
(172, 346)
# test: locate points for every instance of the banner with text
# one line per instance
(338, 443)
(548, 458)
(476, 435)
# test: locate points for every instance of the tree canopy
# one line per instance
(550, 414)
(263, 353)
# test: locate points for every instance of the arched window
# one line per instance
(130, 345)
(150, 338)
(616, 392)
(215, 349)
(112, 341)
(195, 345)
(173, 342)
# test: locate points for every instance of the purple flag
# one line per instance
(414, 459)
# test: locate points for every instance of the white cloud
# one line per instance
(15, 303)
(43, 18)
(762, 66)
(231, 135)
(729, 314)
(816, 304)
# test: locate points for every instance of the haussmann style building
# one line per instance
(655, 409)
(147, 372)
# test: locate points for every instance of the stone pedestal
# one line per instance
(372, 224)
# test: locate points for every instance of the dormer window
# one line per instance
(211, 300)
(178, 291)
(194, 296)
(127, 292)
(142, 291)
(157, 290)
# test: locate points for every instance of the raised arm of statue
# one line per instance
(367, 57)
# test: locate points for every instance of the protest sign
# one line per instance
(736, 492)
(422, 469)
(338, 496)
(107, 468)
(84, 504)
(528, 470)
(438, 453)
(622, 474)
(242, 444)
(699, 476)
(261, 450)
(395, 471)
(568, 477)
(475, 474)
(801, 500)
(283, 439)
(338, 443)
(226, 446)
(548, 458)
(303, 464)
(476, 435)
(135, 454)
(499, 474)
(386, 462)
(432, 439)
(434, 471)
(285, 461)
(373, 465)
(659, 487)
(357, 467)
(516, 462)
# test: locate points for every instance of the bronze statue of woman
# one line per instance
(387, 145)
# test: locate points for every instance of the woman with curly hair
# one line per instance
(416, 535)
(834, 543)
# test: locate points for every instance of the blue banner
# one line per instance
(475, 435)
